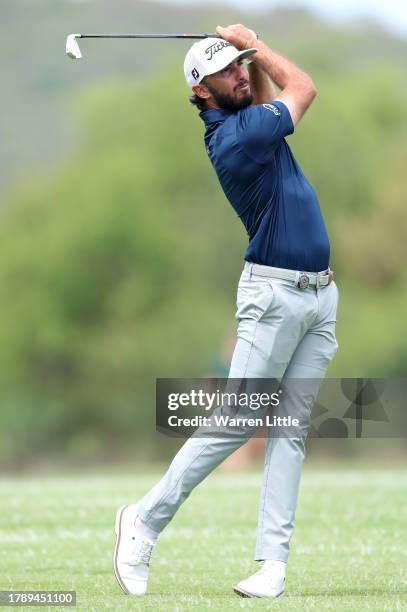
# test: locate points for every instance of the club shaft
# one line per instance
(203, 35)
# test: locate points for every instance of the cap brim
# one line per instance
(242, 55)
(247, 53)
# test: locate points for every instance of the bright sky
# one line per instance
(392, 13)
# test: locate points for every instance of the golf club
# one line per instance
(73, 51)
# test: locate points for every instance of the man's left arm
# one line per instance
(262, 86)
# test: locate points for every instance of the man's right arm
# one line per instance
(297, 88)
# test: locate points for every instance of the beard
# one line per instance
(229, 102)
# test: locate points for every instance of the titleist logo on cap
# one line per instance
(216, 47)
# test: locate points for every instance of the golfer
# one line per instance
(286, 302)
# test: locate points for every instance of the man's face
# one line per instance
(229, 88)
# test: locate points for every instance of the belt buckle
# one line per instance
(303, 281)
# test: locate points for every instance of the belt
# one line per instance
(301, 279)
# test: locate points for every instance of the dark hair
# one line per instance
(200, 103)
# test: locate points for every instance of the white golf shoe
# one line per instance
(267, 582)
(132, 553)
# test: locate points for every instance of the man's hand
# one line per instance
(297, 88)
(238, 35)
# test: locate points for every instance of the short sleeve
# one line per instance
(261, 128)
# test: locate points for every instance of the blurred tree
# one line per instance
(120, 266)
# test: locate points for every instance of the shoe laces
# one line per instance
(143, 553)
(272, 572)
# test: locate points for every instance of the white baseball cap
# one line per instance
(210, 55)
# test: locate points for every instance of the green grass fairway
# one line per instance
(349, 551)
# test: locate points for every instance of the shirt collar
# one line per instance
(215, 115)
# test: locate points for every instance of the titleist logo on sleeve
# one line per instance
(210, 51)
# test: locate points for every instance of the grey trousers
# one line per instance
(283, 332)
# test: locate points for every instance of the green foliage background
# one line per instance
(120, 259)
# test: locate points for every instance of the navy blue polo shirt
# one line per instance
(267, 187)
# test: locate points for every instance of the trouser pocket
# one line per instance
(254, 299)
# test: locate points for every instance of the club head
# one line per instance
(72, 47)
